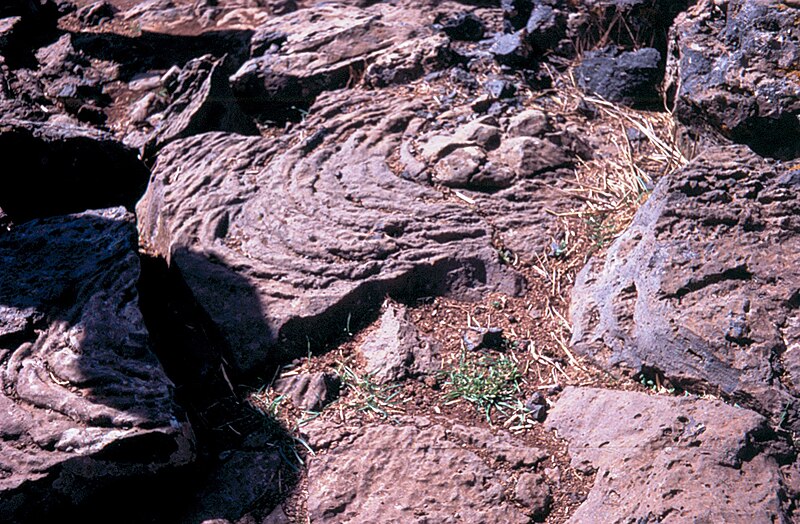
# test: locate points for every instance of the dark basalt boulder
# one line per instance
(734, 74)
(626, 77)
(703, 289)
(84, 401)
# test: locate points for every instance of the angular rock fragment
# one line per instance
(200, 100)
(84, 400)
(512, 50)
(516, 13)
(734, 73)
(627, 77)
(533, 492)
(411, 472)
(309, 391)
(702, 289)
(483, 338)
(529, 156)
(681, 459)
(281, 241)
(396, 350)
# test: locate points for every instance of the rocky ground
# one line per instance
(277, 261)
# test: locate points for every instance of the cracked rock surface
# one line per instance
(419, 471)
(703, 289)
(664, 459)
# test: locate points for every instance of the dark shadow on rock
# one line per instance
(242, 451)
(85, 402)
(150, 50)
(771, 137)
(68, 297)
(68, 169)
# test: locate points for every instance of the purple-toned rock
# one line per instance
(84, 401)
(703, 289)
(656, 456)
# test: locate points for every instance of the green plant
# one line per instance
(367, 396)
(600, 233)
(655, 385)
(488, 382)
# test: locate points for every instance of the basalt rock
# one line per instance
(665, 458)
(516, 170)
(84, 400)
(734, 73)
(329, 47)
(626, 77)
(284, 239)
(703, 289)
(397, 350)
(200, 100)
(309, 391)
(419, 471)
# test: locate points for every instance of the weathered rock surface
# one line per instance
(668, 459)
(200, 100)
(735, 73)
(332, 46)
(703, 289)
(515, 172)
(309, 391)
(627, 77)
(397, 350)
(278, 240)
(84, 401)
(417, 471)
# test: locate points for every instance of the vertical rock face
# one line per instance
(82, 398)
(665, 459)
(703, 289)
(735, 71)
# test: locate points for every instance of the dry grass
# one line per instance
(611, 186)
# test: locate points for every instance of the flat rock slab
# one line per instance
(83, 400)
(419, 471)
(282, 240)
(735, 71)
(668, 459)
(703, 289)
(331, 46)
